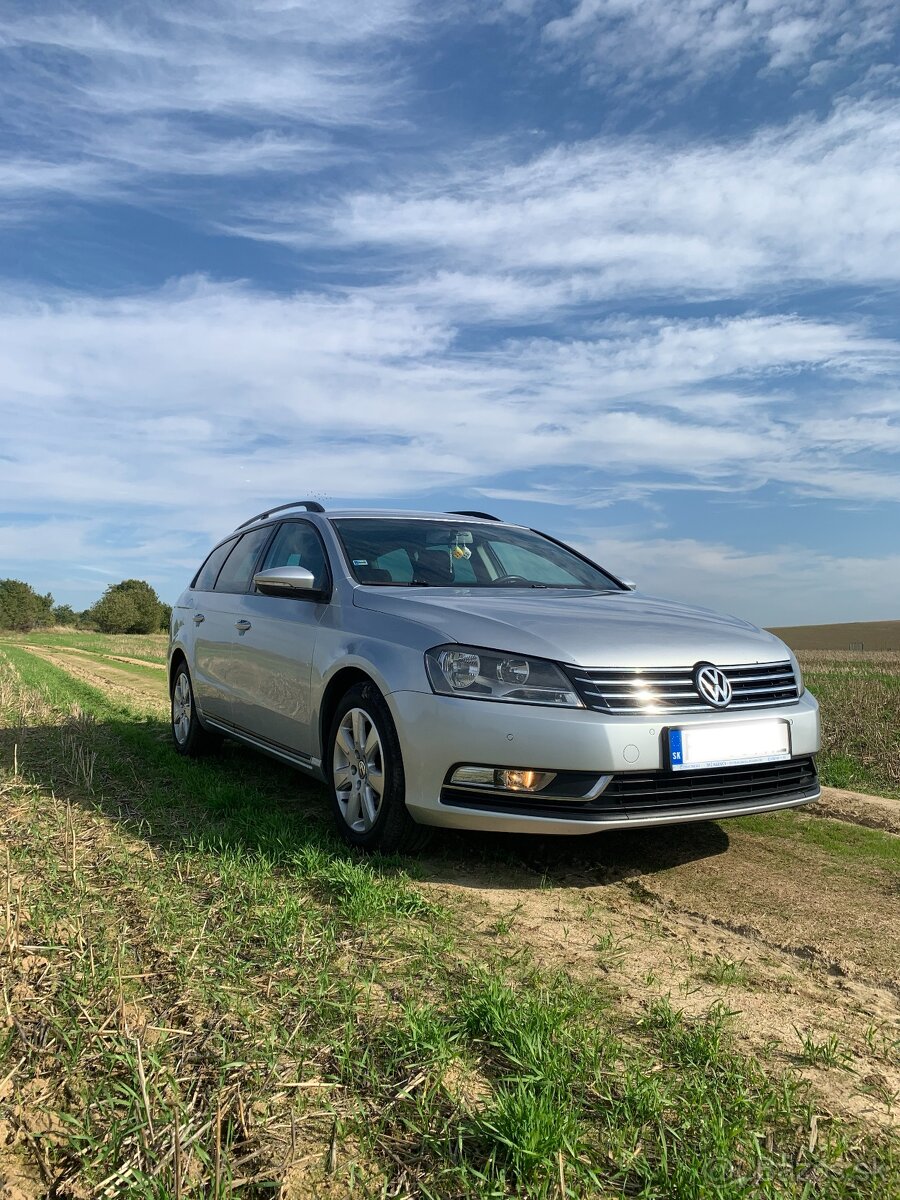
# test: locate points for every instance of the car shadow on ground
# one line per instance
(295, 810)
(471, 859)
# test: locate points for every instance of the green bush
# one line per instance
(131, 606)
(21, 607)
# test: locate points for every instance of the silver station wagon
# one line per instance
(451, 669)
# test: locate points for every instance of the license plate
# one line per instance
(729, 745)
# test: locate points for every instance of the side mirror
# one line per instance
(630, 584)
(286, 581)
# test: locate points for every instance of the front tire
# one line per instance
(367, 783)
(188, 735)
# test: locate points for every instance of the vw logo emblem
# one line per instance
(712, 685)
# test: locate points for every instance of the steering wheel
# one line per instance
(501, 579)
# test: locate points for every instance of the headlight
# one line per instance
(798, 674)
(492, 675)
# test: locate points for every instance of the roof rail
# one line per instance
(309, 505)
(463, 512)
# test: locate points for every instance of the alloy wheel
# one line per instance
(181, 708)
(358, 770)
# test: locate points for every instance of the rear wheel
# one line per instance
(368, 787)
(188, 735)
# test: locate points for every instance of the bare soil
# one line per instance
(138, 662)
(871, 635)
(877, 812)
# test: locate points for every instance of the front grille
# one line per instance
(641, 792)
(648, 793)
(671, 689)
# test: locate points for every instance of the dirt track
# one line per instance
(102, 671)
(795, 938)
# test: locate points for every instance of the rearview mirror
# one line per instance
(285, 581)
(630, 584)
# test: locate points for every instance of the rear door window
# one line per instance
(206, 576)
(237, 572)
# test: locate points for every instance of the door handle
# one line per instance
(243, 626)
(198, 617)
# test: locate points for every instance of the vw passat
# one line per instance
(451, 669)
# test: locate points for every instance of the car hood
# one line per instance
(613, 629)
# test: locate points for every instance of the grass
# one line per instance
(851, 845)
(829, 1052)
(725, 972)
(207, 995)
(859, 695)
(150, 648)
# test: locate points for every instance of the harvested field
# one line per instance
(206, 995)
(849, 635)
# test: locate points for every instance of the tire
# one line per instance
(188, 735)
(365, 776)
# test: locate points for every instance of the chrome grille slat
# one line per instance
(756, 691)
(741, 679)
(619, 689)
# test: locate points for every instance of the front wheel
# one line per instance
(368, 787)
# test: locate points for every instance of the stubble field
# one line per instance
(204, 994)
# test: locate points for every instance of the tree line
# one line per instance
(131, 606)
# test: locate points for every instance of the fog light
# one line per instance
(523, 781)
(503, 779)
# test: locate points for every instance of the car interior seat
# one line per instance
(434, 566)
(368, 574)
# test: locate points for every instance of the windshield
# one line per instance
(393, 551)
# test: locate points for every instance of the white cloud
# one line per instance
(154, 146)
(26, 179)
(810, 204)
(224, 56)
(236, 392)
(158, 420)
(206, 89)
(58, 537)
(685, 42)
(789, 584)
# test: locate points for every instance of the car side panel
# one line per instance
(210, 656)
(269, 669)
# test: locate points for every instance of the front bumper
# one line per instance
(439, 732)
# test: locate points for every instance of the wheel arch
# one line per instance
(338, 685)
(178, 657)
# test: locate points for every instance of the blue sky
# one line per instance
(625, 270)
